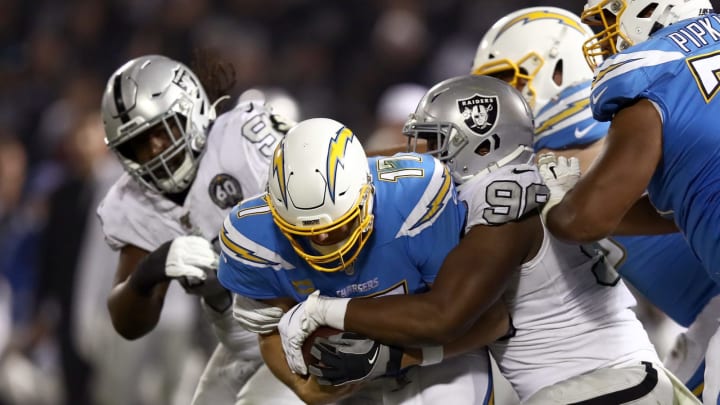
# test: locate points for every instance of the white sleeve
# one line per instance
(129, 218)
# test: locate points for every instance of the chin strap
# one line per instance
(502, 162)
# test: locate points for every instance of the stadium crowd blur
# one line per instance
(364, 62)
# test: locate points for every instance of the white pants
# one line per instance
(711, 394)
(644, 383)
(694, 346)
(461, 380)
(231, 379)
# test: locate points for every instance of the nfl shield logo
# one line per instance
(480, 112)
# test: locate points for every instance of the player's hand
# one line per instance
(187, 258)
(348, 358)
(190, 256)
(303, 319)
(311, 392)
(256, 316)
(292, 336)
(560, 175)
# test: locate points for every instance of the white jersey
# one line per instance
(570, 309)
(234, 166)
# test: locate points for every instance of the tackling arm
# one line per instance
(600, 200)
(133, 313)
(472, 278)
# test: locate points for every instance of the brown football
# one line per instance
(322, 331)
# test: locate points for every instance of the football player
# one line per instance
(184, 169)
(576, 338)
(539, 50)
(657, 87)
(335, 222)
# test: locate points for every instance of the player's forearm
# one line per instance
(272, 353)
(406, 320)
(133, 314)
(643, 219)
(491, 326)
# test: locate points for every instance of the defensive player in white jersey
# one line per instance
(576, 338)
(184, 170)
(657, 87)
(539, 51)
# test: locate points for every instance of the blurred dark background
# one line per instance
(338, 59)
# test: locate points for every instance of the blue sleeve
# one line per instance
(252, 282)
(566, 121)
(627, 77)
(436, 242)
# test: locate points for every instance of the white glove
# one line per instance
(255, 316)
(560, 175)
(303, 319)
(190, 256)
(292, 337)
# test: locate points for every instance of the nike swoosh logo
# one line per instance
(597, 94)
(518, 171)
(579, 133)
(372, 359)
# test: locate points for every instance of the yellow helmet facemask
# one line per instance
(530, 63)
(605, 42)
(348, 250)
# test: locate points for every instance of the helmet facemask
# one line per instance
(610, 40)
(173, 169)
(339, 255)
(526, 68)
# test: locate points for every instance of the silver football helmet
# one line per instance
(474, 124)
(154, 93)
(624, 23)
(319, 184)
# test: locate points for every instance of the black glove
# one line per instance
(348, 358)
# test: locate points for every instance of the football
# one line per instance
(322, 331)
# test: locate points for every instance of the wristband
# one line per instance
(335, 313)
(150, 271)
(431, 355)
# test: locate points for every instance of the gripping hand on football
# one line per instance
(348, 358)
(560, 175)
(303, 319)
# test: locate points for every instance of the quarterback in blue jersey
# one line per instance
(661, 267)
(336, 222)
(657, 89)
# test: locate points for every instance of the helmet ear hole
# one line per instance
(558, 73)
(484, 148)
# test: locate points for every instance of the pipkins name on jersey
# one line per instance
(698, 33)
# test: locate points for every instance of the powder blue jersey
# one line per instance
(663, 268)
(676, 69)
(418, 220)
(566, 121)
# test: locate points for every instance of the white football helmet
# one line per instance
(320, 182)
(152, 91)
(475, 124)
(533, 43)
(628, 22)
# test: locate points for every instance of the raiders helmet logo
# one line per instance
(479, 112)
